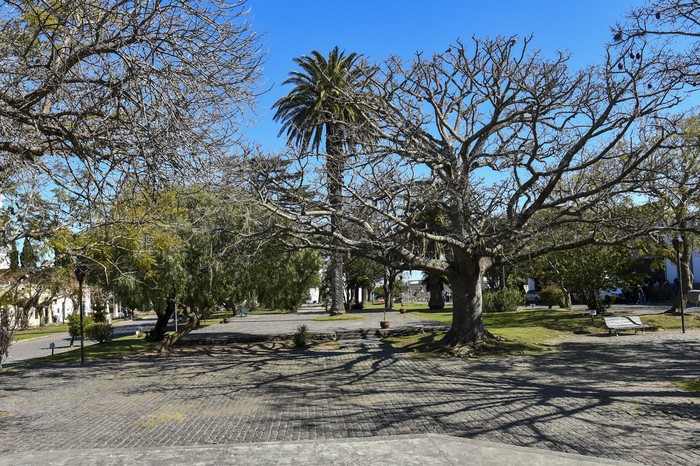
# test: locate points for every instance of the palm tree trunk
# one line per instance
(334, 172)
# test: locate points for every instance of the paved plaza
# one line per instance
(603, 397)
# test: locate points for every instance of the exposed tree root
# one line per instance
(455, 339)
(168, 342)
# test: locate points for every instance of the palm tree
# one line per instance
(326, 102)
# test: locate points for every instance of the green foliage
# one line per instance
(27, 256)
(505, 300)
(283, 279)
(98, 316)
(319, 104)
(99, 331)
(301, 336)
(552, 296)
(688, 385)
(200, 249)
(362, 272)
(74, 324)
(14, 257)
(587, 270)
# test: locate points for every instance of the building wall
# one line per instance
(672, 270)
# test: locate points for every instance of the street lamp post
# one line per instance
(677, 245)
(80, 276)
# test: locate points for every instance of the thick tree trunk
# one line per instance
(435, 287)
(166, 345)
(686, 281)
(389, 281)
(567, 297)
(467, 321)
(160, 328)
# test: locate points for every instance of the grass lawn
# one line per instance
(338, 317)
(688, 385)
(40, 331)
(408, 306)
(530, 330)
(116, 349)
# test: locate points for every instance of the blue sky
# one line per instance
(377, 29)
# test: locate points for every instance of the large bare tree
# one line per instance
(93, 89)
(510, 146)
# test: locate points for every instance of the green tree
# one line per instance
(14, 257)
(361, 273)
(27, 257)
(326, 102)
(674, 188)
(282, 279)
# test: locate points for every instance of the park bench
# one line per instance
(694, 297)
(623, 323)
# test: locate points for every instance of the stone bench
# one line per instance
(624, 323)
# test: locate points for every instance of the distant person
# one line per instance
(676, 287)
(635, 294)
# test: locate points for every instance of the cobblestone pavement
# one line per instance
(608, 397)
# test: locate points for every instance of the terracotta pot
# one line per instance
(384, 323)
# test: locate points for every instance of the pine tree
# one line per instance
(27, 257)
(14, 257)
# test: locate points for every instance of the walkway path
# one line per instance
(260, 327)
(605, 397)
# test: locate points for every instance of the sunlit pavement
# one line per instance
(602, 397)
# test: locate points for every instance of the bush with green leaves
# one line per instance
(98, 315)
(301, 335)
(99, 331)
(505, 300)
(552, 296)
(74, 324)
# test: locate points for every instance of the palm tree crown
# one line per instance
(324, 101)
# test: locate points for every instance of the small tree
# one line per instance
(74, 325)
(552, 296)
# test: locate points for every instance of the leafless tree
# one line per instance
(508, 145)
(90, 90)
(673, 28)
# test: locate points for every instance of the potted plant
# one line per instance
(384, 323)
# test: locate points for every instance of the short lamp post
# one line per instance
(80, 276)
(678, 245)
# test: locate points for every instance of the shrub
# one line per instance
(552, 296)
(99, 316)
(505, 300)
(74, 324)
(99, 331)
(301, 335)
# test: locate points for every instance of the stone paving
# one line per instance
(607, 397)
